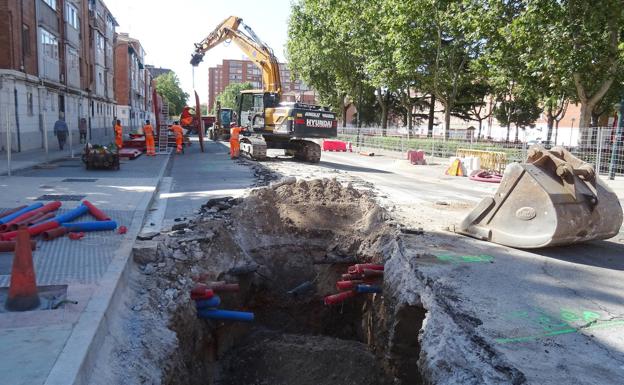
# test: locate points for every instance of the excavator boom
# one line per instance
(250, 44)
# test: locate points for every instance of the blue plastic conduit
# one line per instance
(72, 214)
(16, 214)
(227, 315)
(90, 226)
(368, 289)
(208, 303)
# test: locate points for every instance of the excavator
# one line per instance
(270, 122)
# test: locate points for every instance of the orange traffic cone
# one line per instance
(23, 293)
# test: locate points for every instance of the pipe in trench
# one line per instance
(201, 292)
(97, 213)
(368, 289)
(369, 273)
(226, 287)
(340, 297)
(90, 226)
(6, 246)
(17, 213)
(72, 214)
(54, 233)
(347, 285)
(359, 268)
(226, 315)
(208, 303)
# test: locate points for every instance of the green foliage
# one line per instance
(168, 86)
(229, 94)
(204, 108)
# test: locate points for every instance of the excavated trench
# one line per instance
(270, 243)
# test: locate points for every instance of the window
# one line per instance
(236, 77)
(71, 15)
(99, 41)
(29, 103)
(51, 3)
(25, 39)
(49, 43)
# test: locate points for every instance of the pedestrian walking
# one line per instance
(82, 129)
(118, 135)
(148, 130)
(61, 131)
(179, 136)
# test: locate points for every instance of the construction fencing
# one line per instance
(602, 151)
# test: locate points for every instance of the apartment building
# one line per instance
(242, 71)
(56, 59)
(133, 83)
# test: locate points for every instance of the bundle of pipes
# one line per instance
(206, 302)
(360, 279)
(40, 220)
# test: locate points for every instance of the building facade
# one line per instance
(133, 83)
(56, 60)
(242, 71)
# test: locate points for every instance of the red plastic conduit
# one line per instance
(201, 292)
(340, 297)
(33, 230)
(372, 273)
(54, 233)
(359, 268)
(97, 213)
(226, 287)
(347, 285)
(52, 206)
(6, 246)
(45, 217)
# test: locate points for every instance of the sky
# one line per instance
(168, 31)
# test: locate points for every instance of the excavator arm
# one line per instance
(250, 44)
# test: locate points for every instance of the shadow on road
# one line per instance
(346, 167)
(604, 254)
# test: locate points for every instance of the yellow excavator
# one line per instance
(272, 123)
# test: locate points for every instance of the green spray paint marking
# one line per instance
(554, 326)
(465, 258)
(598, 325)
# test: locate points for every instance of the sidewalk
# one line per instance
(52, 346)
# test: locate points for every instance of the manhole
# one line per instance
(79, 180)
(60, 197)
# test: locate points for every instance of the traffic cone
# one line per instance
(23, 293)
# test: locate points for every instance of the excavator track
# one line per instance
(306, 151)
(254, 147)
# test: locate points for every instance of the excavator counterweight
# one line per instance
(552, 199)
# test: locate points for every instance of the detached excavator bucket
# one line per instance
(552, 199)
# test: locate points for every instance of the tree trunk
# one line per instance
(517, 131)
(447, 119)
(344, 115)
(479, 132)
(550, 120)
(384, 111)
(508, 129)
(431, 117)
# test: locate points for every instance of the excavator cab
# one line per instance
(255, 110)
(552, 199)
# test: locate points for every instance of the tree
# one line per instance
(168, 86)
(521, 110)
(204, 108)
(231, 92)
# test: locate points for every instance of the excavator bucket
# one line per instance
(552, 199)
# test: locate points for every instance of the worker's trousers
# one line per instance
(118, 141)
(234, 148)
(178, 144)
(149, 144)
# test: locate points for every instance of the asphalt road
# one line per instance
(550, 316)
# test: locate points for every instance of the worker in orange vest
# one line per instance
(235, 142)
(179, 136)
(148, 130)
(118, 135)
(186, 118)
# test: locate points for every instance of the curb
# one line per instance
(76, 361)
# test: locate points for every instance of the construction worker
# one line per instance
(186, 118)
(148, 130)
(118, 134)
(234, 142)
(179, 136)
